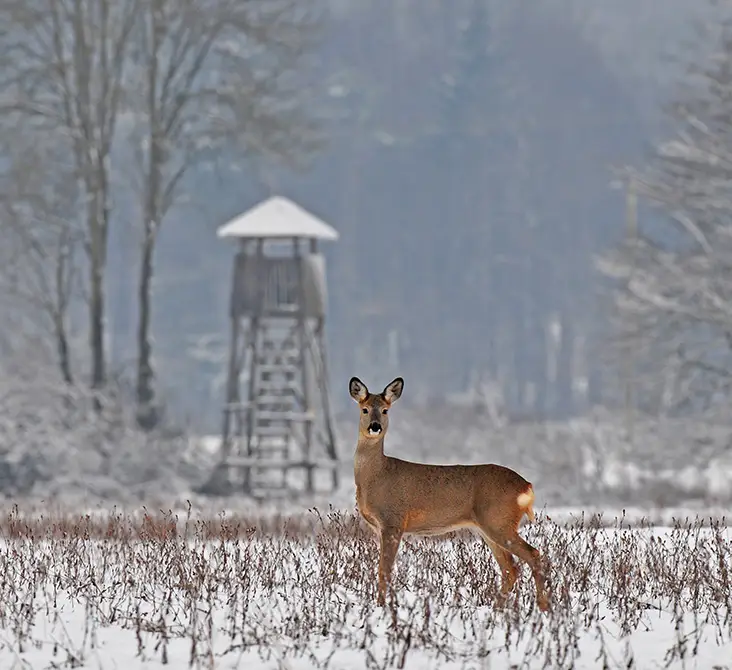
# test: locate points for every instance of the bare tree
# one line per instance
(215, 79)
(673, 280)
(62, 69)
(42, 239)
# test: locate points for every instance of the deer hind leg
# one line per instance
(510, 541)
(388, 547)
(509, 570)
(521, 548)
(506, 564)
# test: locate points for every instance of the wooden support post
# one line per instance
(302, 343)
(253, 346)
(325, 394)
(232, 385)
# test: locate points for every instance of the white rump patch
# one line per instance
(525, 500)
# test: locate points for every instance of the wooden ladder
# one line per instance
(275, 408)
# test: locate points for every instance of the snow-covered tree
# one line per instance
(673, 277)
(210, 80)
(62, 68)
(41, 247)
(170, 83)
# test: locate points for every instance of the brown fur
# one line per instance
(397, 497)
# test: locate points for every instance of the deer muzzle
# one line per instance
(374, 428)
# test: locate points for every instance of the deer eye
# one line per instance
(384, 411)
(365, 411)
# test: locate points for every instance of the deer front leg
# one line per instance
(388, 548)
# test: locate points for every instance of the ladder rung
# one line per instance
(252, 462)
(278, 357)
(269, 447)
(269, 455)
(272, 397)
(271, 438)
(290, 417)
(275, 357)
(271, 431)
(281, 368)
(277, 405)
(274, 408)
(268, 385)
(236, 406)
(279, 347)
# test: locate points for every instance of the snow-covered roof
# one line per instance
(277, 217)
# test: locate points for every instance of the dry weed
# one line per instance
(233, 585)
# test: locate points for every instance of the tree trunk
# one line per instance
(97, 259)
(96, 327)
(64, 362)
(60, 312)
(147, 415)
(147, 411)
(62, 349)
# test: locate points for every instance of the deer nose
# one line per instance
(374, 428)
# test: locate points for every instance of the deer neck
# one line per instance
(369, 457)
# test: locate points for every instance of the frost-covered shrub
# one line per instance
(56, 440)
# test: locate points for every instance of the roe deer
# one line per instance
(397, 497)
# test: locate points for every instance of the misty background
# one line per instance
(467, 171)
(467, 152)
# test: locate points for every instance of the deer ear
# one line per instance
(393, 390)
(357, 389)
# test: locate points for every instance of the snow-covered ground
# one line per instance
(72, 636)
(152, 591)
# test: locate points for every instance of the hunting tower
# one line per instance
(277, 433)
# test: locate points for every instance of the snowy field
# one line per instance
(138, 590)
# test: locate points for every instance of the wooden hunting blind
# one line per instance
(277, 433)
